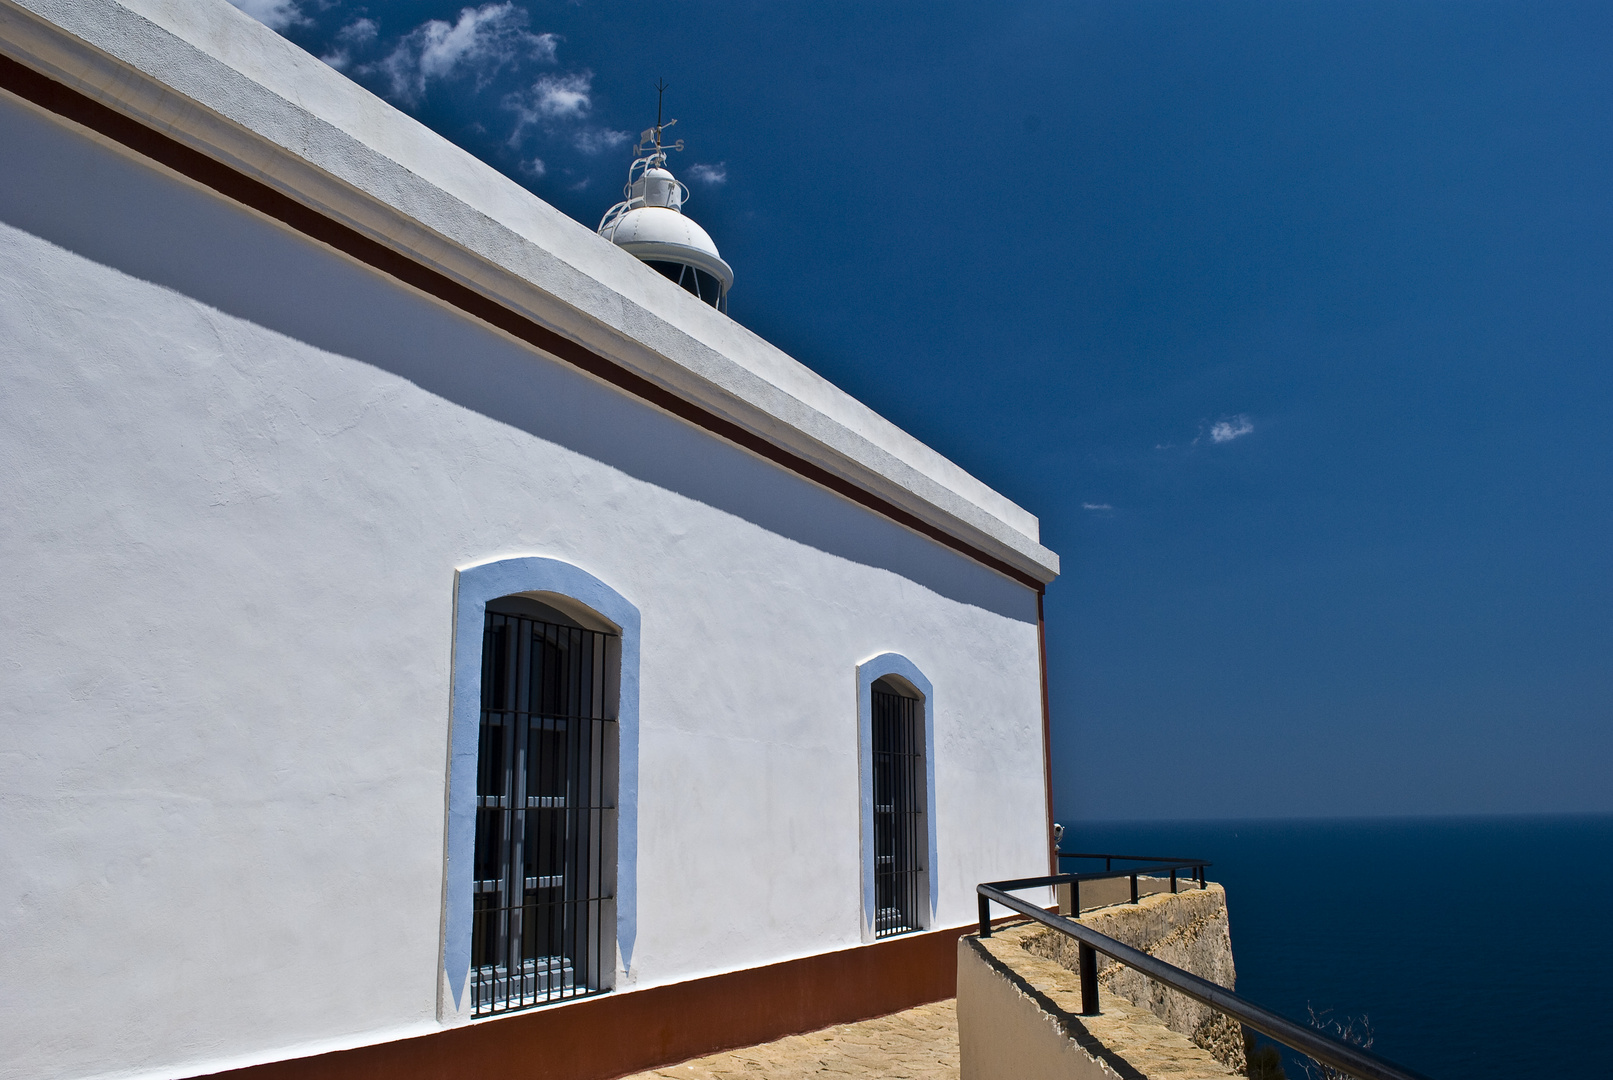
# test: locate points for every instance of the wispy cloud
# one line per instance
(551, 101)
(484, 39)
(359, 32)
(277, 15)
(1096, 506)
(598, 140)
(1229, 428)
(553, 131)
(563, 97)
(355, 35)
(710, 174)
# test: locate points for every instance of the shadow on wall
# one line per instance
(126, 215)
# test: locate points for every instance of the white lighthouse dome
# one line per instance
(658, 232)
(650, 224)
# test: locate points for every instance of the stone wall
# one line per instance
(1019, 1018)
(1188, 929)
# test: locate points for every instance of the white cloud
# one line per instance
(358, 32)
(1096, 506)
(1230, 428)
(710, 174)
(562, 97)
(597, 140)
(535, 167)
(556, 99)
(355, 35)
(275, 14)
(485, 38)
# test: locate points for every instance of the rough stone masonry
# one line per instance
(1188, 929)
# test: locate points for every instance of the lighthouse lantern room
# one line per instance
(650, 224)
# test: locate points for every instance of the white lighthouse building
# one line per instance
(436, 643)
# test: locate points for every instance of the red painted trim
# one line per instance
(1047, 732)
(194, 165)
(617, 1034)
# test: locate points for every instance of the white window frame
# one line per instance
(563, 586)
(899, 668)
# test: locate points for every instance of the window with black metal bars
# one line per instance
(901, 839)
(545, 816)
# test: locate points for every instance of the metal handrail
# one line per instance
(1163, 865)
(1343, 1056)
(1109, 859)
(1107, 875)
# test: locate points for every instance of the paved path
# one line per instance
(919, 1044)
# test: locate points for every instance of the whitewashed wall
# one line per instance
(238, 475)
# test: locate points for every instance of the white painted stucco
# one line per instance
(217, 80)
(240, 474)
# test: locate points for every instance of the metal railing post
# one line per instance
(985, 917)
(1134, 888)
(1347, 1058)
(1075, 899)
(1089, 979)
(1173, 882)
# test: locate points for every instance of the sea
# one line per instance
(1474, 948)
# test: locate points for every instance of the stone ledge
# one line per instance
(1189, 930)
(1019, 1019)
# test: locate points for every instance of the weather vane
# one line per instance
(651, 138)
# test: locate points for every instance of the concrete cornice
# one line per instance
(212, 79)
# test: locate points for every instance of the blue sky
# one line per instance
(1293, 321)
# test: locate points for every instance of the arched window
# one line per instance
(896, 728)
(545, 808)
(541, 887)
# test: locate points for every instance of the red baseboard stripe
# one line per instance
(618, 1034)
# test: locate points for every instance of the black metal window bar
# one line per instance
(901, 839)
(545, 816)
